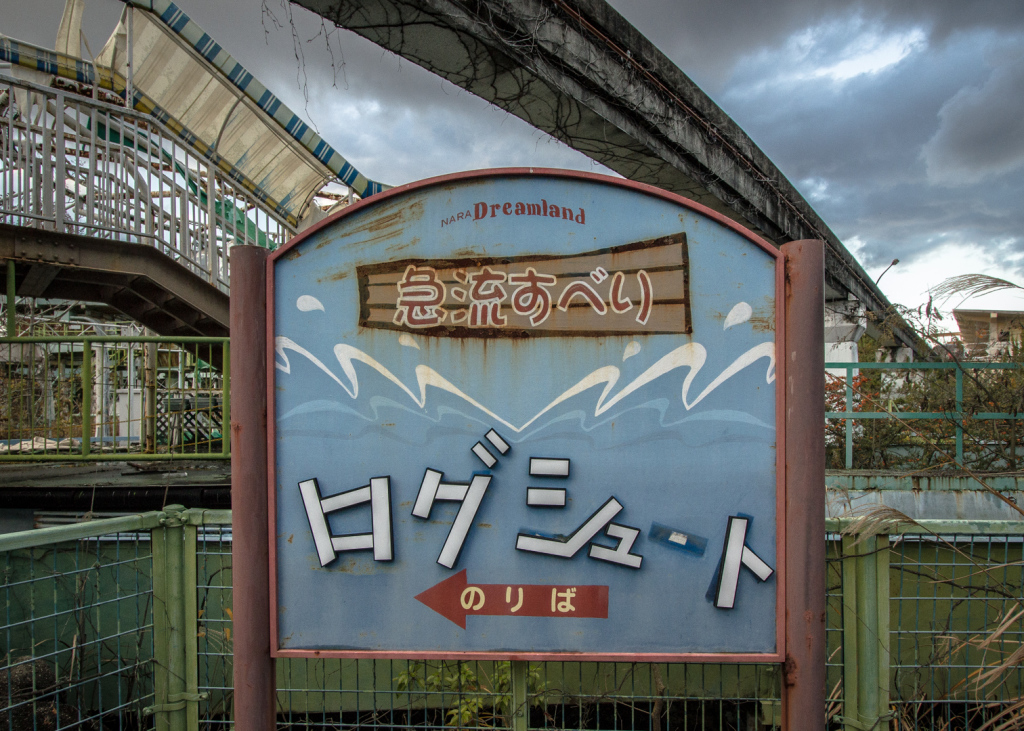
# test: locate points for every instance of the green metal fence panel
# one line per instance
(951, 415)
(74, 398)
(956, 630)
(77, 635)
(214, 614)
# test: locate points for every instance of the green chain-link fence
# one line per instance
(125, 623)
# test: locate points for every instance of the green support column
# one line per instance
(520, 705)
(865, 633)
(225, 419)
(86, 398)
(176, 701)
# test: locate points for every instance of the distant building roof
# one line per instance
(989, 331)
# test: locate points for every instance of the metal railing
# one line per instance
(156, 397)
(114, 397)
(73, 164)
(925, 415)
(126, 623)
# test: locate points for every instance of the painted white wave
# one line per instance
(690, 355)
(378, 403)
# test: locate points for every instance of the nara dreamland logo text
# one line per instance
(483, 210)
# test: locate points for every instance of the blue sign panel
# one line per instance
(520, 412)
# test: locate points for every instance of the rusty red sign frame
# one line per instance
(781, 365)
(800, 632)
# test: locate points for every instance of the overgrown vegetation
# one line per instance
(981, 412)
(481, 699)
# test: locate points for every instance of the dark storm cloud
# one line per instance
(981, 129)
(871, 126)
(392, 119)
(900, 153)
(868, 149)
(707, 38)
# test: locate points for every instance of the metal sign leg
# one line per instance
(803, 691)
(254, 699)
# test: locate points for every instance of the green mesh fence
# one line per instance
(77, 634)
(80, 649)
(957, 635)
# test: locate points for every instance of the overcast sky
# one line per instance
(901, 121)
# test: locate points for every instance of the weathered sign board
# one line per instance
(525, 414)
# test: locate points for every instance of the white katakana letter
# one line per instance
(734, 555)
(380, 540)
(621, 553)
(469, 494)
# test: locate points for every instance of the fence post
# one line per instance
(520, 671)
(176, 681)
(86, 397)
(865, 632)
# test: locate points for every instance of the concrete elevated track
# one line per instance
(579, 71)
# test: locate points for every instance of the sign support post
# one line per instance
(255, 696)
(803, 691)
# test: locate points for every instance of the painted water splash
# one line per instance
(690, 355)
(308, 303)
(740, 313)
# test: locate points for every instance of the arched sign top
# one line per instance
(526, 412)
(471, 175)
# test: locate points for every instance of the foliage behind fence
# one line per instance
(924, 416)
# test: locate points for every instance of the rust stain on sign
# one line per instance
(389, 223)
(635, 289)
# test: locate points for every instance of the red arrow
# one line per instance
(455, 597)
